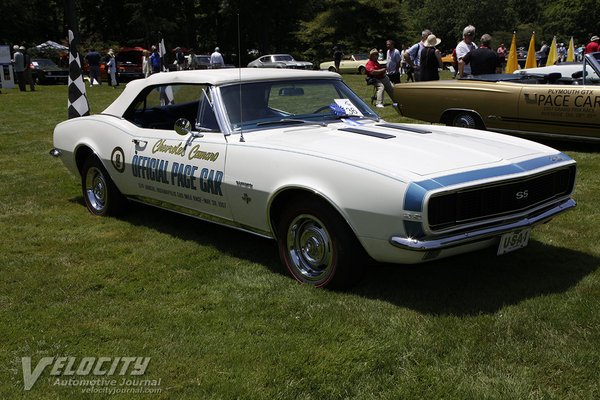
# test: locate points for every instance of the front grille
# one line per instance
(448, 210)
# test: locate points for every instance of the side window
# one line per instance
(206, 121)
(160, 106)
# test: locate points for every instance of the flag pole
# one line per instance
(512, 64)
(77, 102)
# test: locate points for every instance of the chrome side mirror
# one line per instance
(183, 127)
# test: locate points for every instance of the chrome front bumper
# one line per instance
(478, 235)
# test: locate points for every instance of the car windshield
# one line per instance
(42, 62)
(260, 104)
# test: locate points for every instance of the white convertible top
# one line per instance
(211, 77)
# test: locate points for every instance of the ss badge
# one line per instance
(522, 194)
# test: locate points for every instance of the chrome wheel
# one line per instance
(310, 248)
(316, 245)
(464, 121)
(95, 189)
(100, 195)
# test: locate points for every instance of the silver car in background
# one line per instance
(279, 61)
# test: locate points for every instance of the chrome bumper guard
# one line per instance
(482, 234)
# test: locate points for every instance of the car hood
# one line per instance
(52, 68)
(420, 150)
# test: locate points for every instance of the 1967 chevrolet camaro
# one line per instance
(298, 157)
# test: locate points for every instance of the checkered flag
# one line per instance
(78, 104)
(162, 50)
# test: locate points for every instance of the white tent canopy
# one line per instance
(50, 45)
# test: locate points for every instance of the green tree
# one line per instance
(566, 18)
(356, 25)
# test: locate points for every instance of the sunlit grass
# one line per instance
(219, 317)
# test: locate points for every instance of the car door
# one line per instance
(175, 171)
(572, 110)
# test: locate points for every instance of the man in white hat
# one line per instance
(111, 68)
(19, 65)
(216, 59)
(431, 60)
(378, 77)
(593, 46)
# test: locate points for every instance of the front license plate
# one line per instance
(513, 241)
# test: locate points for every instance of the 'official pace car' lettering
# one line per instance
(180, 175)
(149, 168)
(183, 175)
(210, 181)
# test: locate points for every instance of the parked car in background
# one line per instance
(129, 63)
(540, 101)
(45, 71)
(448, 61)
(351, 64)
(279, 61)
(568, 71)
(203, 62)
(297, 156)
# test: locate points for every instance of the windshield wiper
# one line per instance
(357, 117)
(290, 121)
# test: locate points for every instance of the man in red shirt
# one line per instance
(593, 46)
(378, 76)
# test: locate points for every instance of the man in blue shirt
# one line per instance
(93, 59)
(413, 54)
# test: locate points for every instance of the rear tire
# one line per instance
(100, 195)
(362, 70)
(465, 120)
(317, 246)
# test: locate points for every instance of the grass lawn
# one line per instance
(220, 319)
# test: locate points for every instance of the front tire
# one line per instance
(317, 246)
(362, 70)
(100, 195)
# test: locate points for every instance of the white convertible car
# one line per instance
(298, 157)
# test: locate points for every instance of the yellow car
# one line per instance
(351, 64)
(558, 104)
(448, 60)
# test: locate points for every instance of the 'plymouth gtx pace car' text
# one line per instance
(298, 157)
(562, 104)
